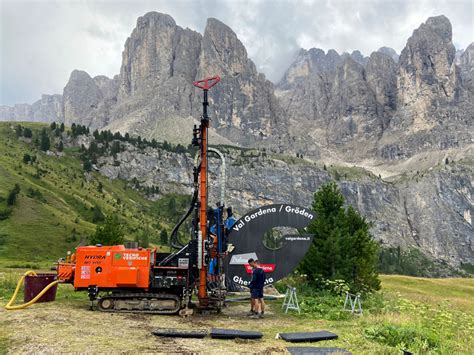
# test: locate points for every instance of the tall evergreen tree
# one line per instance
(110, 233)
(163, 237)
(27, 133)
(97, 215)
(45, 143)
(342, 246)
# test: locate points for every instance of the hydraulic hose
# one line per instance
(174, 233)
(9, 306)
(174, 242)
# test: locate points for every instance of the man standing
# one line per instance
(251, 286)
(256, 290)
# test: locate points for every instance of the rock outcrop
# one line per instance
(48, 109)
(88, 101)
(466, 64)
(390, 52)
(426, 210)
(428, 76)
(244, 104)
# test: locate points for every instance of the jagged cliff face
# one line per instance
(428, 76)
(161, 60)
(88, 100)
(429, 210)
(244, 105)
(48, 109)
(383, 107)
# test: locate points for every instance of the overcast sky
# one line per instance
(41, 42)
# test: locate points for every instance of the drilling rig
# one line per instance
(133, 279)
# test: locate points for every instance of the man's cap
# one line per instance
(250, 260)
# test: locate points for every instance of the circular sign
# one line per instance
(274, 235)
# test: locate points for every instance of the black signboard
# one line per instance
(274, 235)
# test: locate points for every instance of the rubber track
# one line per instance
(135, 296)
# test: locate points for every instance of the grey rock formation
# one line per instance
(429, 210)
(356, 56)
(428, 73)
(466, 64)
(434, 108)
(48, 109)
(244, 104)
(159, 63)
(378, 108)
(86, 100)
(390, 52)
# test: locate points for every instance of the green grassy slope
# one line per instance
(53, 213)
(424, 316)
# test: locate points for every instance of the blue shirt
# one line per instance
(258, 278)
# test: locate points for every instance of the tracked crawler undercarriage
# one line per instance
(154, 303)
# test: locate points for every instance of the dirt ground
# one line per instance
(70, 326)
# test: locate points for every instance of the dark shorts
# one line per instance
(256, 293)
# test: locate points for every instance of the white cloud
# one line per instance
(41, 42)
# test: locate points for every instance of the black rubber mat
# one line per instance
(311, 336)
(308, 350)
(219, 333)
(180, 333)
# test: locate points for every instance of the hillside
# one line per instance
(147, 184)
(54, 210)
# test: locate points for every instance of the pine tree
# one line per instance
(60, 146)
(12, 194)
(26, 158)
(342, 246)
(61, 127)
(163, 237)
(116, 148)
(45, 143)
(19, 130)
(87, 165)
(27, 133)
(97, 215)
(110, 233)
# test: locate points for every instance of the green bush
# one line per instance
(5, 213)
(403, 337)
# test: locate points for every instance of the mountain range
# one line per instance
(406, 118)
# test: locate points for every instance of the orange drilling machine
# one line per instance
(135, 279)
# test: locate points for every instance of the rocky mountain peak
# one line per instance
(81, 97)
(153, 18)
(441, 26)
(223, 53)
(428, 73)
(390, 52)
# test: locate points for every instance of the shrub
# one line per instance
(401, 336)
(13, 193)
